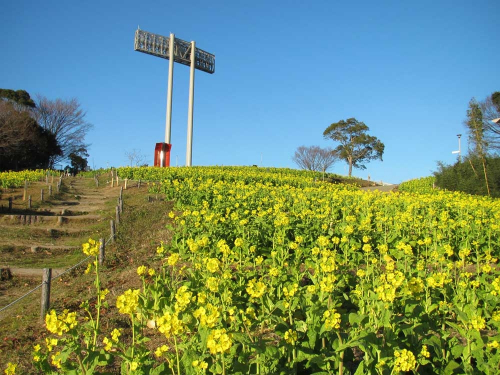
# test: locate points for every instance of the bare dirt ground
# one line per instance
(385, 189)
(50, 234)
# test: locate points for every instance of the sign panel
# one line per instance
(158, 45)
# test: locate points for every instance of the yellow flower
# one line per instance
(91, 248)
(11, 368)
(62, 323)
(477, 322)
(160, 249)
(141, 270)
(173, 259)
(160, 350)
(133, 366)
(170, 325)
(425, 352)
(127, 303)
(238, 242)
(213, 284)
(103, 293)
(332, 319)
(108, 344)
(404, 360)
(115, 334)
(256, 288)
(51, 343)
(291, 337)
(213, 265)
(56, 359)
(219, 341)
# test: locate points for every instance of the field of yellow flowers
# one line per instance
(17, 179)
(274, 271)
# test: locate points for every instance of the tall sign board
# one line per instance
(186, 53)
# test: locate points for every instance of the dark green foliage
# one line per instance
(19, 96)
(495, 98)
(78, 160)
(23, 143)
(468, 176)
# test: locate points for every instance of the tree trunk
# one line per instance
(350, 167)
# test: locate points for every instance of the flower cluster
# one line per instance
(62, 323)
(127, 303)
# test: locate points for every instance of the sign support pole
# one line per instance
(168, 124)
(189, 148)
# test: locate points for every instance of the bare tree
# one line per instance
(314, 158)
(135, 158)
(66, 120)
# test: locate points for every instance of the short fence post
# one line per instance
(126, 180)
(96, 181)
(121, 192)
(139, 186)
(10, 204)
(117, 215)
(29, 201)
(41, 195)
(25, 189)
(50, 190)
(47, 275)
(112, 225)
(101, 251)
(117, 184)
(121, 205)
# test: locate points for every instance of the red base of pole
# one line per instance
(162, 154)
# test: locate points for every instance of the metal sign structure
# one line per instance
(180, 51)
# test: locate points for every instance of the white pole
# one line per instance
(168, 123)
(189, 148)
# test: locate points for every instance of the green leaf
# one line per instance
(457, 351)
(451, 367)
(361, 369)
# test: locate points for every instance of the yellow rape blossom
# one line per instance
(219, 341)
(11, 368)
(91, 248)
(62, 323)
(404, 360)
(127, 303)
(255, 288)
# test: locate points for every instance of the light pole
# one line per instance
(459, 150)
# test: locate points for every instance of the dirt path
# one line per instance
(385, 189)
(55, 231)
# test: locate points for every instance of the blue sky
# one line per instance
(285, 70)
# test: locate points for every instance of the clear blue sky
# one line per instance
(285, 70)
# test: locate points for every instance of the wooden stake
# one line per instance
(112, 225)
(101, 251)
(45, 305)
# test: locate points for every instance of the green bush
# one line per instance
(468, 176)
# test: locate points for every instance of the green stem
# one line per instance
(98, 287)
(177, 357)
(84, 370)
(341, 362)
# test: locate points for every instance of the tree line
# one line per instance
(479, 171)
(41, 133)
